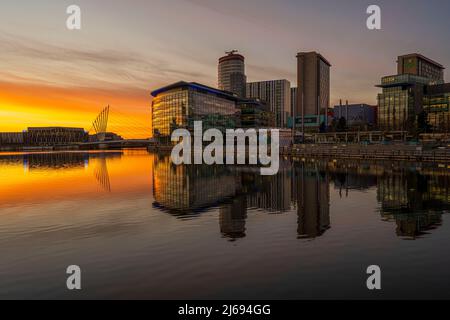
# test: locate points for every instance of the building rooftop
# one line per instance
(267, 81)
(54, 128)
(418, 55)
(404, 80)
(195, 86)
(353, 105)
(232, 56)
(321, 57)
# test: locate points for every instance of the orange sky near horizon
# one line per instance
(24, 105)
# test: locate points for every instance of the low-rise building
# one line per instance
(107, 136)
(11, 138)
(360, 115)
(51, 136)
(254, 113)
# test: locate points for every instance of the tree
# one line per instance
(422, 123)
(322, 128)
(342, 124)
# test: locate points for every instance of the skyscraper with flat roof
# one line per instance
(313, 78)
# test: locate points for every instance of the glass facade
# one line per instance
(169, 110)
(437, 108)
(400, 101)
(406, 79)
(255, 114)
(395, 109)
(181, 105)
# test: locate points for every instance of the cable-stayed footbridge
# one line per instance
(115, 129)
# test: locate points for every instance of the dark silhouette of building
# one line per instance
(107, 136)
(11, 138)
(52, 136)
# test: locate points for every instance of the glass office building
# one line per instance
(181, 104)
(436, 104)
(400, 101)
(254, 113)
(418, 88)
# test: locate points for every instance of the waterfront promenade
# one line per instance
(398, 151)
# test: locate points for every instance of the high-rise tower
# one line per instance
(313, 93)
(231, 75)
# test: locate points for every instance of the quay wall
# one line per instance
(374, 152)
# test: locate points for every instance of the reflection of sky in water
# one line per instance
(132, 219)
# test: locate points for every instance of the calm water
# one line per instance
(142, 228)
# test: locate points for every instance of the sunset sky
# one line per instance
(52, 76)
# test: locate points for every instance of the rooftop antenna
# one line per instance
(231, 52)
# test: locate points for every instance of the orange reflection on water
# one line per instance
(41, 177)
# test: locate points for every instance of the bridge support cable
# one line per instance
(100, 124)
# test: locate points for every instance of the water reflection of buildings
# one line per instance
(182, 189)
(414, 196)
(414, 200)
(233, 218)
(63, 160)
(185, 191)
(66, 161)
(312, 190)
(270, 193)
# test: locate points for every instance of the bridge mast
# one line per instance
(100, 124)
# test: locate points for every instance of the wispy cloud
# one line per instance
(26, 59)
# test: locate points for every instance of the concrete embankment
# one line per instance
(376, 152)
(38, 149)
